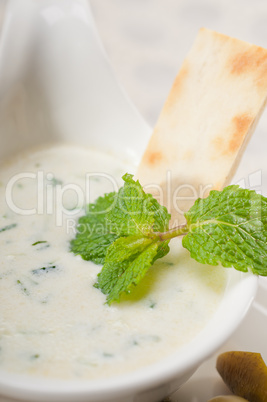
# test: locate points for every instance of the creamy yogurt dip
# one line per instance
(53, 322)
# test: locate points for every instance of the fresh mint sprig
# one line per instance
(129, 230)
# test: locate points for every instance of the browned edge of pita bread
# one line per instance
(208, 118)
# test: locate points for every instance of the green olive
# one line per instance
(245, 373)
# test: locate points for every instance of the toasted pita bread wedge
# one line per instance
(206, 122)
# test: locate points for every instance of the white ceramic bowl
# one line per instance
(56, 84)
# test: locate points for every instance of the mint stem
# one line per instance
(170, 234)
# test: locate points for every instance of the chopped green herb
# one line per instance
(128, 231)
(44, 270)
(23, 288)
(39, 242)
(142, 339)
(42, 244)
(152, 304)
(34, 357)
(8, 227)
(169, 263)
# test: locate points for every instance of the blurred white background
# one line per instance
(147, 40)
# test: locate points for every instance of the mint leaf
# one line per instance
(120, 231)
(135, 217)
(136, 212)
(129, 212)
(93, 232)
(128, 231)
(229, 227)
(126, 263)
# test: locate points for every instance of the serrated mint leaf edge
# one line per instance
(215, 259)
